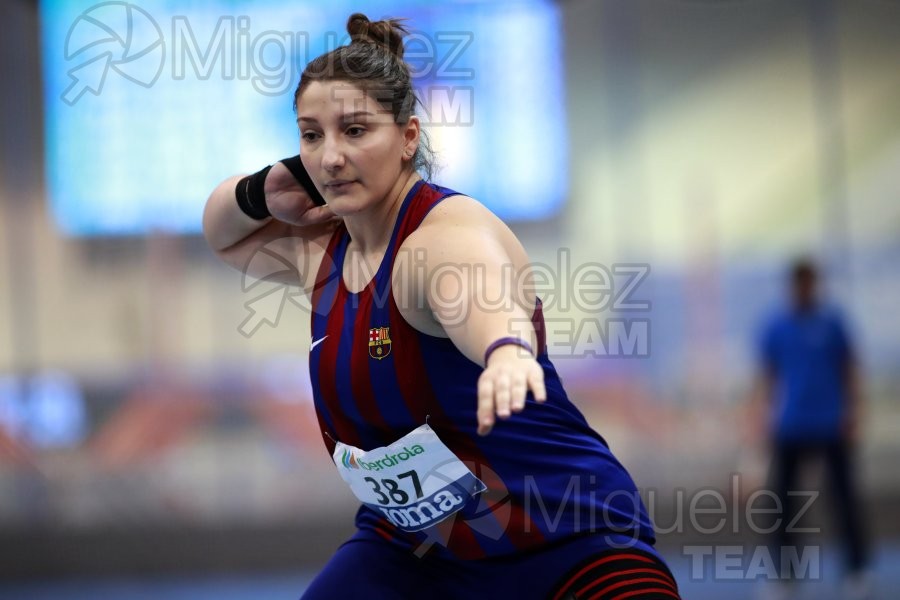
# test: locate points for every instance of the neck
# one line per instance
(370, 230)
(804, 307)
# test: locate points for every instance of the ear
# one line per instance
(411, 137)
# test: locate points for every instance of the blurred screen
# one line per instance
(149, 106)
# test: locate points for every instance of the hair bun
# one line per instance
(387, 32)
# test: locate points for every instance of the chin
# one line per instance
(345, 205)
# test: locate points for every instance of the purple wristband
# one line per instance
(506, 341)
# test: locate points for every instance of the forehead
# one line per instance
(331, 99)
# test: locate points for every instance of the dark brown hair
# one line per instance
(803, 270)
(373, 61)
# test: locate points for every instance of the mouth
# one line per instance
(338, 185)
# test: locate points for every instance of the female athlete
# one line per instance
(477, 476)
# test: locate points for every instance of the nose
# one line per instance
(332, 156)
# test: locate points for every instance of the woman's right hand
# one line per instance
(289, 202)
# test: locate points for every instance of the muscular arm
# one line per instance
(224, 224)
(471, 290)
(474, 286)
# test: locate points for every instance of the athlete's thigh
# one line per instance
(370, 570)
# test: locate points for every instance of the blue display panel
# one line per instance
(149, 105)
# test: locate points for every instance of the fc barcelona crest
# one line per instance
(379, 342)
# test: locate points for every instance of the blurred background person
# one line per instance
(809, 390)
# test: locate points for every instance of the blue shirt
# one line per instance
(808, 354)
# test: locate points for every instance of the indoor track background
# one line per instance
(157, 437)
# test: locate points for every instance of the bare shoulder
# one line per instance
(459, 233)
(459, 220)
(460, 210)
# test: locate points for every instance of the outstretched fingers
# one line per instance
(485, 413)
(503, 390)
(536, 383)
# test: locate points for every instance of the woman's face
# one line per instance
(351, 146)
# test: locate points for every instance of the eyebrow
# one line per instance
(345, 117)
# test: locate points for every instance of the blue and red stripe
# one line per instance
(368, 401)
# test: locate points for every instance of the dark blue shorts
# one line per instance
(584, 567)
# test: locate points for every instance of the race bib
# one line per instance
(416, 482)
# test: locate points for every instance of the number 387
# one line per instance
(389, 491)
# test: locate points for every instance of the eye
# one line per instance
(355, 131)
(309, 136)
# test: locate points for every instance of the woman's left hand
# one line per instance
(510, 373)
